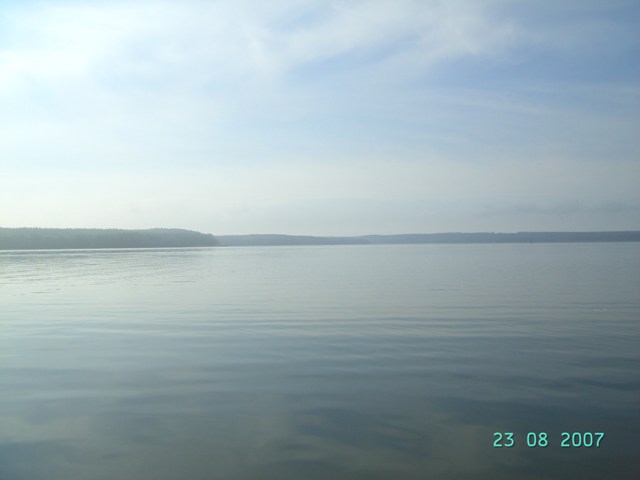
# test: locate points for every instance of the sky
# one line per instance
(320, 117)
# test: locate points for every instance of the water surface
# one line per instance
(329, 362)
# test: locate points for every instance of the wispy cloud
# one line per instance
(240, 39)
(225, 108)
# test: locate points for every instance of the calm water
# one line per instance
(339, 362)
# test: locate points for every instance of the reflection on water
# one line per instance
(342, 362)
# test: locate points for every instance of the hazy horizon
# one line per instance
(320, 118)
(321, 235)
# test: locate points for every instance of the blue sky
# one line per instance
(320, 117)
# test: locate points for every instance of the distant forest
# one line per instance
(54, 238)
(418, 238)
(61, 238)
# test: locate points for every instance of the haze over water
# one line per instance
(340, 362)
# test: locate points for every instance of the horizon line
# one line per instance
(325, 235)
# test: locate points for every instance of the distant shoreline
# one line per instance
(87, 238)
(80, 238)
(430, 238)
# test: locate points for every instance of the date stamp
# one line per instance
(544, 440)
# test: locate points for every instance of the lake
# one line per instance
(321, 362)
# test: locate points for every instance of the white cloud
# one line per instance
(147, 80)
(204, 41)
(155, 113)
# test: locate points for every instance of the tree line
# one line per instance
(63, 238)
